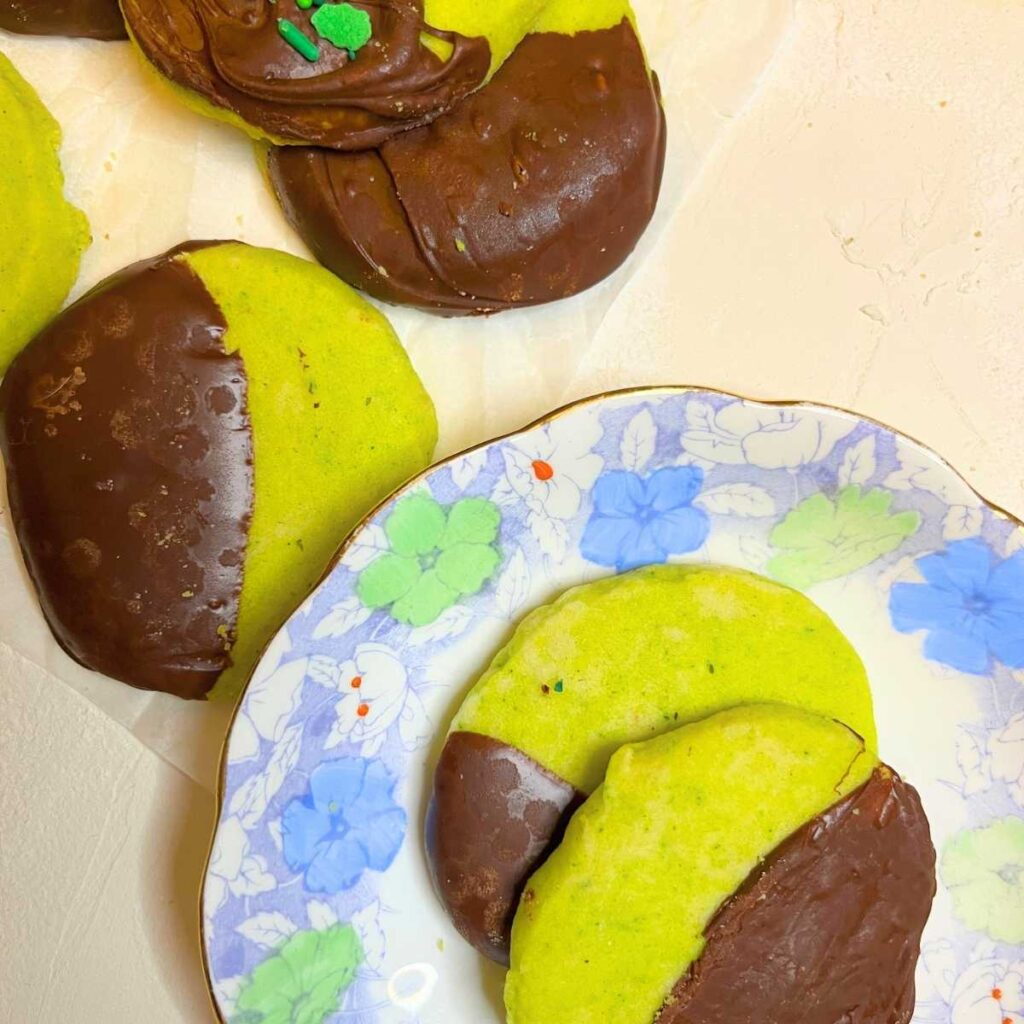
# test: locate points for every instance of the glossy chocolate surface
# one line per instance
(89, 19)
(232, 53)
(533, 189)
(495, 815)
(829, 928)
(128, 452)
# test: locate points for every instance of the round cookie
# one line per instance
(187, 445)
(612, 662)
(43, 235)
(759, 865)
(342, 75)
(533, 189)
(88, 19)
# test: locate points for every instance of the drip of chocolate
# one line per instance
(495, 816)
(128, 451)
(533, 189)
(89, 19)
(828, 929)
(231, 52)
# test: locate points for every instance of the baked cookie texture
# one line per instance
(532, 189)
(87, 19)
(759, 864)
(616, 661)
(187, 445)
(43, 235)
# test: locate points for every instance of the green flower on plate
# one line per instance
(437, 555)
(984, 872)
(823, 539)
(304, 981)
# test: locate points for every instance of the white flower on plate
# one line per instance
(989, 990)
(233, 869)
(375, 695)
(745, 433)
(922, 470)
(1006, 756)
(271, 698)
(549, 469)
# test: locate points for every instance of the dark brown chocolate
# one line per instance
(231, 52)
(494, 817)
(128, 449)
(88, 19)
(828, 929)
(533, 189)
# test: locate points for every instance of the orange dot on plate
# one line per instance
(357, 682)
(363, 710)
(997, 994)
(542, 470)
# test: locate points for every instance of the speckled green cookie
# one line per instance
(632, 656)
(187, 446)
(43, 236)
(613, 662)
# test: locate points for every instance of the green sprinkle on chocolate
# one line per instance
(297, 41)
(344, 26)
(303, 5)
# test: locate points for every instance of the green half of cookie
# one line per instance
(43, 235)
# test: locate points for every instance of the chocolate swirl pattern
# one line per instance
(232, 54)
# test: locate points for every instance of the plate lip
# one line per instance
(667, 390)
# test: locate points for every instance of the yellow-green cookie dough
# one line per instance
(615, 917)
(43, 236)
(309, 342)
(632, 656)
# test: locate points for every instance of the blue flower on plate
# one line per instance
(639, 521)
(346, 822)
(971, 604)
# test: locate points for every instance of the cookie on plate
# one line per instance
(342, 75)
(43, 235)
(535, 188)
(87, 19)
(612, 662)
(759, 865)
(187, 445)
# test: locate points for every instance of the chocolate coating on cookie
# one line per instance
(495, 815)
(829, 928)
(89, 19)
(128, 451)
(232, 54)
(533, 189)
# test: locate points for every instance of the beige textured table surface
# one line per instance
(843, 222)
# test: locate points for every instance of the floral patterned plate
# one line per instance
(317, 904)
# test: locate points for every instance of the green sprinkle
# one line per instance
(303, 5)
(460, 245)
(559, 686)
(344, 26)
(296, 40)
